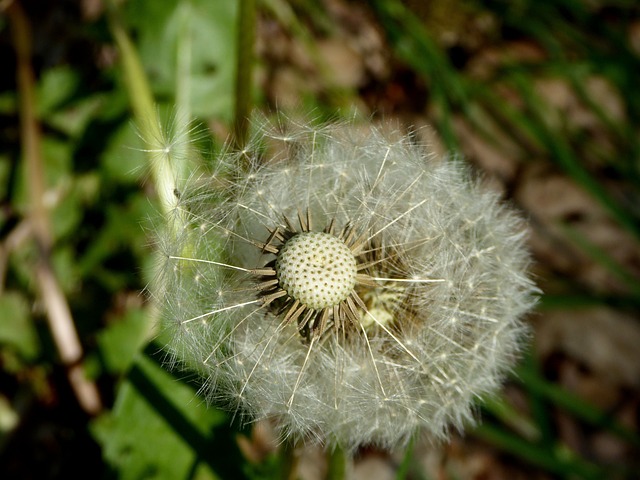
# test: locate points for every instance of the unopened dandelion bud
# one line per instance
(349, 286)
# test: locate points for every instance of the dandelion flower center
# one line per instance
(317, 269)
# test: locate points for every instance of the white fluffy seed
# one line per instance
(441, 292)
(317, 269)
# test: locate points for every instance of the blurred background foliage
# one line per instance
(542, 97)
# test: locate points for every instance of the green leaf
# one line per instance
(573, 404)
(123, 160)
(16, 328)
(121, 341)
(56, 87)
(159, 429)
(553, 458)
(212, 27)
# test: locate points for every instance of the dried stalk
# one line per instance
(59, 316)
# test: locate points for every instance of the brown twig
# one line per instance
(58, 313)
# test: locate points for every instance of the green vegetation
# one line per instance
(83, 173)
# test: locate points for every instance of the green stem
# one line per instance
(337, 464)
(182, 119)
(146, 114)
(244, 68)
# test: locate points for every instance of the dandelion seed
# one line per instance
(350, 287)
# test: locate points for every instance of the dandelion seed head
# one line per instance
(349, 286)
(317, 269)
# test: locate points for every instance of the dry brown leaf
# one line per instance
(603, 339)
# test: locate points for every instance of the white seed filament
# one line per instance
(317, 269)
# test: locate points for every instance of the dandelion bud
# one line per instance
(350, 287)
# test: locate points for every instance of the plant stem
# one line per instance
(337, 464)
(142, 102)
(61, 324)
(182, 118)
(244, 68)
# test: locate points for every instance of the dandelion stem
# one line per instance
(244, 67)
(337, 464)
(183, 78)
(160, 152)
